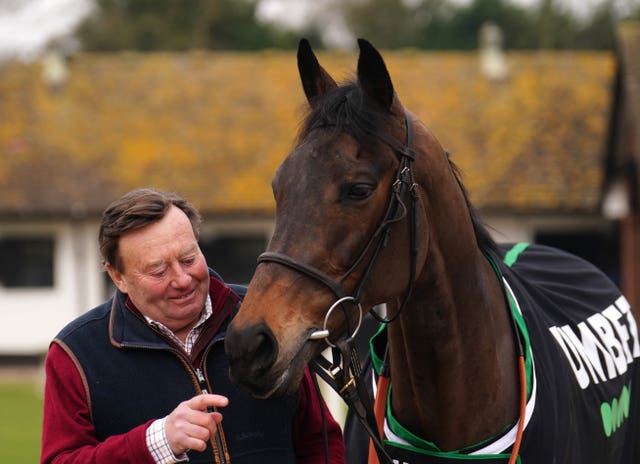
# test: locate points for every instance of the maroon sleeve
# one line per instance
(308, 428)
(68, 435)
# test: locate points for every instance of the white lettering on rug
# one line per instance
(601, 347)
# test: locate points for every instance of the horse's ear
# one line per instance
(373, 76)
(315, 80)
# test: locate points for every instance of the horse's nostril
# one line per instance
(265, 351)
(252, 350)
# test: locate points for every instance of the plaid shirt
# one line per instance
(156, 435)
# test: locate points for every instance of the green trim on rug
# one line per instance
(513, 254)
(455, 455)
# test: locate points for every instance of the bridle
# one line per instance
(396, 211)
(344, 374)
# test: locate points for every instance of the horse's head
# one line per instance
(344, 225)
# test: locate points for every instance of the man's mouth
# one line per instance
(184, 297)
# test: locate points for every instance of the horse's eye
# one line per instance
(359, 191)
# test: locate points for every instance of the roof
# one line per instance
(214, 126)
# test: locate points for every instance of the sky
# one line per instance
(27, 26)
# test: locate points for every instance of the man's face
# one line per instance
(165, 273)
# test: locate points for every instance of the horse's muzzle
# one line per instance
(252, 352)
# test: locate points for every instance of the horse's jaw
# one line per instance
(272, 384)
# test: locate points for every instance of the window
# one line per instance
(233, 256)
(26, 262)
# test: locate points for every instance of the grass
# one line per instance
(21, 421)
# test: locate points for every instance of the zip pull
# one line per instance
(200, 376)
(203, 385)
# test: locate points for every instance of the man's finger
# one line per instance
(202, 402)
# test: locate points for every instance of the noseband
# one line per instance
(396, 211)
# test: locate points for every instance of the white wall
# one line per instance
(31, 317)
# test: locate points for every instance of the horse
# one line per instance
(495, 352)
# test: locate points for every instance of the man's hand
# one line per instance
(190, 425)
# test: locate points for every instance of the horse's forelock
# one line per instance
(347, 109)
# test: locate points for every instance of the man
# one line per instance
(140, 378)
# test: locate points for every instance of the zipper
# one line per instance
(219, 449)
(218, 442)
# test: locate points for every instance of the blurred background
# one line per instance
(28, 26)
(537, 100)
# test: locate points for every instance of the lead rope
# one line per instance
(380, 403)
(523, 410)
(522, 371)
(344, 375)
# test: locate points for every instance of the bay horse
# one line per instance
(496, 353)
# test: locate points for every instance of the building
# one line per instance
(214, 127)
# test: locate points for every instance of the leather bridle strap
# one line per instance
(302, 268)
(396, 211)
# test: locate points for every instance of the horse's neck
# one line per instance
(452, 355)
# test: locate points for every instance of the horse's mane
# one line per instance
(346, 109)
(485, 241)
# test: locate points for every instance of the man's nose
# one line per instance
(179, 277)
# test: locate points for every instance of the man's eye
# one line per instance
(189, 261)
(158, 272)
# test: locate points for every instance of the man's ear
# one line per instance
(117, 277)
